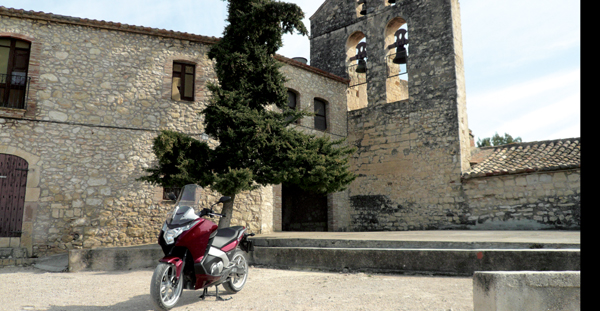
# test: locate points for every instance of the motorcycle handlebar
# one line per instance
(217, 214)
(210, 212)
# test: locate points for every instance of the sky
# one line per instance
(522, 57)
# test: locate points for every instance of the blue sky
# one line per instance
(522, 57)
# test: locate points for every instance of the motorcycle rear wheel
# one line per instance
(165, 290)
(237, 280)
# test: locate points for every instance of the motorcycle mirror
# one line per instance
(224, 199)
(171, 196)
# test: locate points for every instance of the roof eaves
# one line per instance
(20, 13)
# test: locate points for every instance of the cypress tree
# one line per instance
(256, 146)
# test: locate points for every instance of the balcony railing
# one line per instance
(14, 90)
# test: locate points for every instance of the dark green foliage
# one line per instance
(181, 160)
(255, 145)
(497, 140)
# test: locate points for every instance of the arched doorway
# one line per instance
(302, 210)
(13, 183)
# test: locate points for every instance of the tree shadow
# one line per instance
(142, 302)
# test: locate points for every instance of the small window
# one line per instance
(320, 115)
(291, 100)
(182, 87)
(173, 190)
(292, 103)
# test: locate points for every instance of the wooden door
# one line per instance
(13, 182)
(302, 210)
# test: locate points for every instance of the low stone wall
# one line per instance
(115, 258)
(546, 200)
(526, 291)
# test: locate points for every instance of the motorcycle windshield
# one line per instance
(183, 212)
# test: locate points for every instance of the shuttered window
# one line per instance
(182, 87)
(320, 115)
(292, 102)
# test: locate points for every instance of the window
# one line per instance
(292, 102)
(182, 87)
(14, 62)
(320, 115)
(174, 190)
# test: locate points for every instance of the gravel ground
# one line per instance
(28, 288)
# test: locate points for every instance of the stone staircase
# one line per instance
(442, 256)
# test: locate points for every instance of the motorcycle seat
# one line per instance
(226, 235)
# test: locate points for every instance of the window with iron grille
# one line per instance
(182, 87)
(320, 115)
(14, 62)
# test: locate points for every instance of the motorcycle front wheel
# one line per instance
(165, 289)
(237, 280)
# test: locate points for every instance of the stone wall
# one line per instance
(539, 200)
(97, 98)
(408, 168)
(100, 92)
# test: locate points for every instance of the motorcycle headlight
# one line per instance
(171, 234)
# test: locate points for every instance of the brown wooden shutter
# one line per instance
(13, 183)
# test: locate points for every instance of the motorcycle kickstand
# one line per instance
(205, 293)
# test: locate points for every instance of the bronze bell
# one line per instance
(401, 56)
(363, 11)
(362, 66)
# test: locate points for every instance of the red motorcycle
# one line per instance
(197, 253)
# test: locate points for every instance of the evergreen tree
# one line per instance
(255, 144)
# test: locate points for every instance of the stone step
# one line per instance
(428, 261)
(431, 252)
(391, 244)
(14, 256)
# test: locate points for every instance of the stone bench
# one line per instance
(526, 290)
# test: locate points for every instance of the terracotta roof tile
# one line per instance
(528, 157)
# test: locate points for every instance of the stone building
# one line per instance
(87, 97)
(97, 93)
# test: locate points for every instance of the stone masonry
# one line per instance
(99, 94)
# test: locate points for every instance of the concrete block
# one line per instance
(115, 258)
(526, 291)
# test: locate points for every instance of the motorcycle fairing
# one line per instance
(175, 261)
(220, 254)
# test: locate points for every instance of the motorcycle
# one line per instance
(198, 255)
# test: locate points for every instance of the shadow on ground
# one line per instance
(142, 303)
